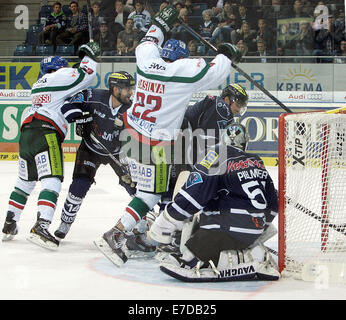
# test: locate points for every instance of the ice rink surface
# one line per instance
(78, 271)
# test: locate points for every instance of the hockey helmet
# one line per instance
(120, 79)
(236, 93)
(52, 63)
(174, 50)
(235, 135)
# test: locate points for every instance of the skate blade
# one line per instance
(103, 246)
(35, 239)
(7, 237)
(162, 257)
(137, 254)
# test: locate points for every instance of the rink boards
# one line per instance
(261, 120)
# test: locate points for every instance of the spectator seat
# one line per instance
(23, 50)
(44, 50)
(32, 34)
(64, 50)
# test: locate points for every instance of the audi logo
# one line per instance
(314, 96)
(257, 96)
(23, 94)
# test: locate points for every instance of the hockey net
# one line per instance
(312, 195)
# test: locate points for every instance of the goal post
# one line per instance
(312, 193)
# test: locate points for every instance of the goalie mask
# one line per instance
(174, 50)
(237, 94)
(235, 135)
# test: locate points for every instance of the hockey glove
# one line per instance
(166, 18)
(230, 51)
(90, 49)
(126, 182)
(83, 125)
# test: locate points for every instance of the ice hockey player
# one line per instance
(237, 205)
(211, 115)
(166, 81)
(42, 133)
(203, 122)
(103, 118)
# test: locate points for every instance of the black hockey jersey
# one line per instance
(233, 190)
(205, 119)
(107, 122)
(210, 113)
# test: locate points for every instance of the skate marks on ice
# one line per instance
(146, 270)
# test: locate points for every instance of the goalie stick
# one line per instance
(235, 67)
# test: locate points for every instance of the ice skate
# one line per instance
(111, 245)
(138, 246)
(63, 229)
(10, 227)
(164, 250)
(40, 235)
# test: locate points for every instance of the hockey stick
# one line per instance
(91, 34)
(339, 228)
(235, 67)
(119, 166)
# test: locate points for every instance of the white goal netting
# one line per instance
(312, 188)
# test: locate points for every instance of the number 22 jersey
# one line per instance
(164, 89)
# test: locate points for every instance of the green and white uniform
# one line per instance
(42, 133)
(164, 89)
(48, 116)
(163, 92)
(50, 92)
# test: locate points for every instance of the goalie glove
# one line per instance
(230, 51)
(166, 18)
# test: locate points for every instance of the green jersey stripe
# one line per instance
(195, 78)
(62, 88)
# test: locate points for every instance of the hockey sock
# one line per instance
(16, 204)
(134, 211)
(46, 203)
(71, 207)
(74, 199)
(141, 227)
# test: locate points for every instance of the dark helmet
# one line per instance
(238, 94)
(235, 135)
(120, 79)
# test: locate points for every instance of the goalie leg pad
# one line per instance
(233, 265)
(188, 230)
(164, 227)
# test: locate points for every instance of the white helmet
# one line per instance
(235, 135)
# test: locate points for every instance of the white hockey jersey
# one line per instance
(163, 89)
(50, 92)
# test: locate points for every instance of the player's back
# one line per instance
(50, 92)
(164, 90)
(251, 186)
(243, 181)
